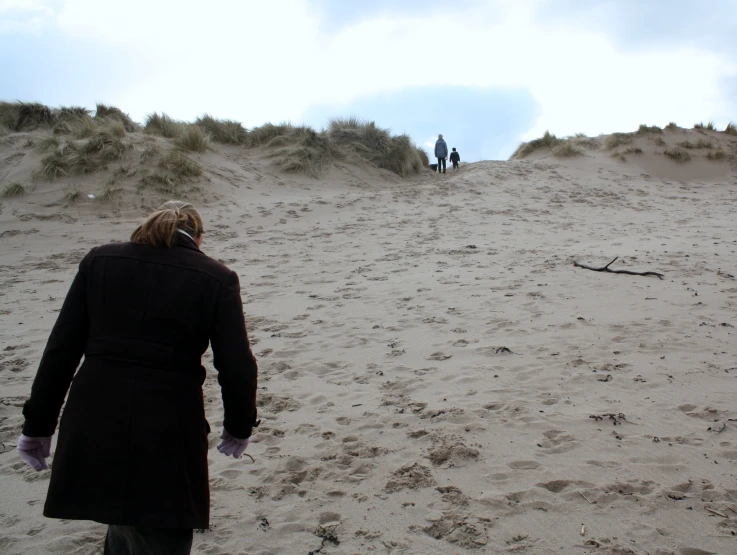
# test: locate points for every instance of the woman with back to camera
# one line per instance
(132, 448)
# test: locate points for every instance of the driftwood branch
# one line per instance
(606, 269)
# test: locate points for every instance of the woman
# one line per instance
(132, 448)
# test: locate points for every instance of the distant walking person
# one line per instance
(441, 152)
(455, 158)
(132, 449)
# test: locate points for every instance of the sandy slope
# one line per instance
(430, 358)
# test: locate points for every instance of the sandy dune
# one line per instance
(436, 375)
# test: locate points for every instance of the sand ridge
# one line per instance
(436, 375)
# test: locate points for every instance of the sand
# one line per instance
(435, 374)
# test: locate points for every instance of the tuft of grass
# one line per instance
(301, 149)
(375, 145)
(32, 115)
(54, 165)
(83, 127)
(73, 112)
(717, 154)
(701, 143)
(680, 156)
(72, 197)
(114, 127)
(566, 148)
(659, 141)
(672, 126)
(110, 193)
(162, 183)
(181, 166)
(194, 139)
(150, 152)
(25, 116)
(105, 112)
(223, 130)
(710, 126)
(633, 150)
(423, 157)
(731, 129)
(14, 190)
(163, 126)
(616, 139)
(644, 129)
(82, 162)
(259, 136)
(548, 140)
(107, 145)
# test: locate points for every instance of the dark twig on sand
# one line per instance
(327, 534)
(606, 269)
(615, 418)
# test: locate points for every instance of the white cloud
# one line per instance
(269, 60)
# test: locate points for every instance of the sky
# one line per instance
(487, 74)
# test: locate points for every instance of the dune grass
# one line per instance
(701, 143)
(150, 151)
(110, 193)
(633, 150)
(223, 130)
(54, 165)
(49, 143)
(264, 134)
(672, 126)
(710, 126)
(81, 162)
(163, 125)
(107, 145)
(424, 158)
(680, 156)
(377, 145)
(717, 154)
(644, 129)
(105, 112)
(194, 139)
(175, 170)
(181, 166)
(731, 129)
(85, 156)
(616, 139)
(83, 127)
(301, 149)
(296, 148)
(548, 140)
(25, 116)
(565, 149)
(72, 197)
(13, 190)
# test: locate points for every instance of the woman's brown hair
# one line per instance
(160, 228)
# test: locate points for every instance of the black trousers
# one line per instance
(455, 165)
(130, 540)
(441, 162)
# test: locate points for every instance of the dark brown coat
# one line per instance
(132, 445)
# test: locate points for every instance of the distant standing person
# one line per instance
(132, 449)
(455, 158)
(441, 152)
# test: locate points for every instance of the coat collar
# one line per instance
(186, 242)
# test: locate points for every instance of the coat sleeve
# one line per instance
(60, 359)
(232, 357)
